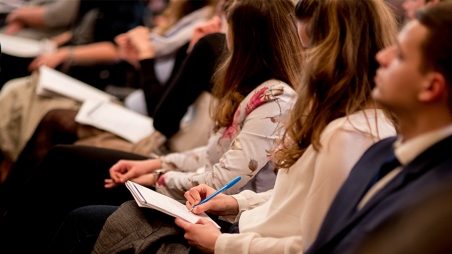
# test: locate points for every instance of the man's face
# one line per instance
(399, 78)
(411, 6)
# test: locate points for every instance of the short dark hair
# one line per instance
(437, 46)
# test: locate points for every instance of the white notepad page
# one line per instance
(65, 85)
(117, 119)
(146, 197)
(25, 47)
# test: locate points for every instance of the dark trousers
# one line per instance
(67, 178)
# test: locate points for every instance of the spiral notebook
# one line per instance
(146, 197)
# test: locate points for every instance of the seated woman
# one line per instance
(331, 125)
(255, 83)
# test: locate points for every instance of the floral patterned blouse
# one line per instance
(242, 149)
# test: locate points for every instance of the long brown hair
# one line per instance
(265, 46)
(339, 70)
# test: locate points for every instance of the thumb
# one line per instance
(128, 175)
(202, 221)
(201, 208)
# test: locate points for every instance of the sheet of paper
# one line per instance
(163, 203)
(116, 119)
(51, 80)
(24, 47)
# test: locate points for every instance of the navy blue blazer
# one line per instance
(344, 226)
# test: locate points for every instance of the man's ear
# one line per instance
(434, 88)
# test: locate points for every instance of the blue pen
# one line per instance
(224, 188)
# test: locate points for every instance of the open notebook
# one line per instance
(146, 197)
(55, 83)
(117, 119)
(25, 47)
(99, 109)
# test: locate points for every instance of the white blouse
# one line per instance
(242, 149)
(287, 219)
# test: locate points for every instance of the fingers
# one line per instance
(36, 63)
(128, 175)
(138, 34)
(115, 168)
(13, 28)
(12, 17)
(193, 195)
(121, 38)
(203, 222)
(182, 223)
(109, 183)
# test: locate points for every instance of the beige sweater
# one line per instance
(21, 110)
(287, 219)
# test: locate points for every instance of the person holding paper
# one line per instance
(59, 126)
(255, 83)
(333, 122)
(181, 27)
(40, 19)
(88, 42)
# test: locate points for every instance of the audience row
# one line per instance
(337, 121)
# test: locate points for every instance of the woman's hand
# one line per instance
(135, 45)
(145, 180)
(128, 170)
(202, 235)
(211, 26)
(221, 204)
(50, 60)
(126, 51)
(139, 38)
(14, 27)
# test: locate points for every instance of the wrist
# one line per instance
(232, 207)
(146, 53)
(65, 54)
(156, 176)
(70, 54)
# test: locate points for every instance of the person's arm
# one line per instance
(247, 153)
(28, 16)
(164, 45)
(62, 38)
(100, 52)
(51, 15)
(193, 78)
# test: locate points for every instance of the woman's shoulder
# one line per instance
(276, 95)
(270, 91)
(373, 122)
(275, 88)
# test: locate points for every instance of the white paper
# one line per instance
(25, 47)
(146, 197)
(116, 119)
(53, 81)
